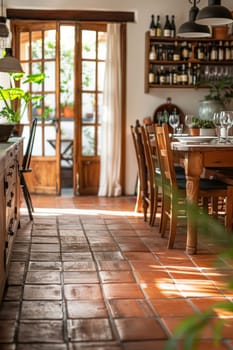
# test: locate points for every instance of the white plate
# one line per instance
(195, 139)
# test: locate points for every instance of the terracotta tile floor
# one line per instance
(88, 273)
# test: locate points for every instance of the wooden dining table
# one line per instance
(195, 158)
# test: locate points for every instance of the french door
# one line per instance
(72, 55)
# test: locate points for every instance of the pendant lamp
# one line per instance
(214, 14)
(4, 31)
(10, 64)
(191, 29)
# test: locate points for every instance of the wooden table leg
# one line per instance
(193, 170)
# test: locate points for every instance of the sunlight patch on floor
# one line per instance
(74, 211)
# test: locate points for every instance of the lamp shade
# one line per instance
(214, 14)
(9, 63)
(191, 29)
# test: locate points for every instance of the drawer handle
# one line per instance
(10, 173)
(9, 203)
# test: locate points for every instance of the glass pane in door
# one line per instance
(67, 49)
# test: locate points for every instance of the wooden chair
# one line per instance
(174, 188)
(146, 189)
(153, 167)
(25, 168)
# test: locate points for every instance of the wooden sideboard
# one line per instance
(11, 154)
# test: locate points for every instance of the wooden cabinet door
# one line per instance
(2, 232)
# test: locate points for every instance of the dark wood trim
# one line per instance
(71, 15)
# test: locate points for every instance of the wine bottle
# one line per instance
(152, 53)
(151, 74)
(184, 51)
(220, 51)
(176, 52)
(162, 76)
(200, 52)
(184, 75)
(227, 51)
(167, 28)
(174, 75)
(213, 52)
(190, 74)
(173, 27)
(158, 27)
(152, 26)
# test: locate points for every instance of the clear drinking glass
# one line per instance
(174, 121)
(188, 120)
(226, 119)
(218, 125)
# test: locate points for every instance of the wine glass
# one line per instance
(174, 121)
(226, 119)
(218, 125)
(188, 120)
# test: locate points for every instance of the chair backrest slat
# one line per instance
(165, 154)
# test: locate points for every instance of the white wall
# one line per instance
(139, 104)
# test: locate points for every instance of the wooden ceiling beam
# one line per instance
(71, 15)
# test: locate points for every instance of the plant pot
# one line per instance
(5, 131)
(17, 130)
(207, 132)
(68, 112)
(194, 131)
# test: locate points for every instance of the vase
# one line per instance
(207, 108)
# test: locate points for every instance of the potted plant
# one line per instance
(207, 128)
(194, 127)
(15, 99)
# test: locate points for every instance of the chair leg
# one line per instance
(173, 227)
(229, 208)
(152, 206)
(138, 205)
(145, 207)
(27, 197)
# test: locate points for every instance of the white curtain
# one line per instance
(111, 123)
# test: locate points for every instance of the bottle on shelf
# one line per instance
(184, 51)
(221, 51)
(151, 74)
(190, 74)
(183, 75)
(227, 51)
(231, 48)
(162, 76)
(152, 53)
(173, 27)
(160, 53)
(158, 27)
(213, 52)
(176, 52)
(174, 75)
(200, 52)
(152, 26)
(170, 76)
(167, 28)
